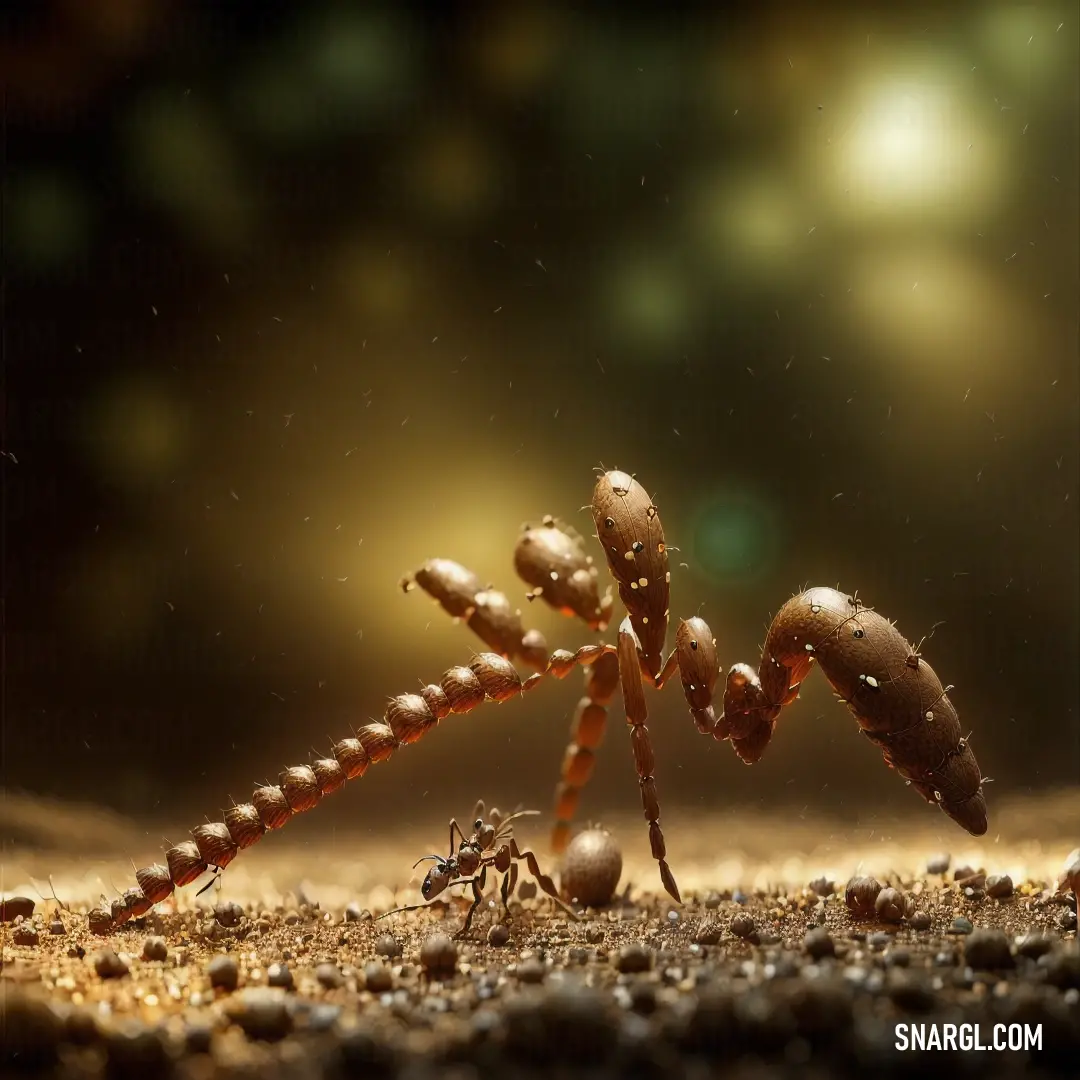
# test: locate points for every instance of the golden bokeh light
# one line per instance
(751, 220)
(911, 146)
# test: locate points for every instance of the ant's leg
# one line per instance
(455, 827)
(644, 760)
(509, 884)
(542, 879)
(213, 880)
(478, 883)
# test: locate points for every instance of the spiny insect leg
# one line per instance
(644, 760)
(478, 883)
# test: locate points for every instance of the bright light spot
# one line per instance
(912, 148)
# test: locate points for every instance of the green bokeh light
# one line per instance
(736, 537)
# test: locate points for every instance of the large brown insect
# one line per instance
(492, 846)
(893, 693)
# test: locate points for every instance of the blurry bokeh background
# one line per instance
(301, 295)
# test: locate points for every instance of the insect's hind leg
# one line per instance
(586, 735)
(644, 760)
(509, 884)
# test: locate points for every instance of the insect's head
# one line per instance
(484, 834)
(438, 877)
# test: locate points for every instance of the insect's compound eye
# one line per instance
(693, 645)
(638, 547)
(609, 523)
(478, 824)
(857, 633)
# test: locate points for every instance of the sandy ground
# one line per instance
(281, 969)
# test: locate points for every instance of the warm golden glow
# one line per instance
(914, 148)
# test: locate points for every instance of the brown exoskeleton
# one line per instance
(491, 846)
(892, 692)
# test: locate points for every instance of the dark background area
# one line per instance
(298, 296)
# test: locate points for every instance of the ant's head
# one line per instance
(484, 833)
(438, 877)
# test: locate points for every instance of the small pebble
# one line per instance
(531, 971)
(154, 948)
(387, 946)
(498, 935)
(713, 900)
(109, 965)
(229, 914)
(988, 950)
(323, 1016)
(594, 934)
(819, 943)
(743, 925)
(279, 975)
(438, 955)
(14, 907)
(633, 957)
(999, 886)
(1035, 944)
(329, 976)
(960, 925)
(709, 932)
(24, 934)
(898, 958)
(378, 978)
(938, 864)
(224, 973)
(1066, 920)
(56, 927)
(921, 921)
(963, 873)
(822, 886)
(591, 868)
(262, 1014)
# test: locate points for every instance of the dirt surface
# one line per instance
(284, 969)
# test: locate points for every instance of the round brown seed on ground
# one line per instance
(592, 866)
(438, 955)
